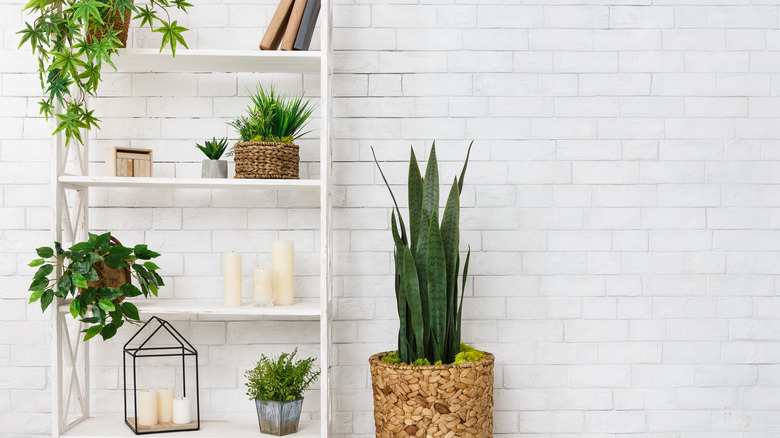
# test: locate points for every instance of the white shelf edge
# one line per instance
(216, 307)
(114, 427)
(199, 60)
(189, 183)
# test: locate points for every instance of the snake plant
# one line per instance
(427, 261)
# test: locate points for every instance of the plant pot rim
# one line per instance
(276, 401)
(263, 143)
(374, 360)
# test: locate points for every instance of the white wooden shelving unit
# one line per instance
(71, 183)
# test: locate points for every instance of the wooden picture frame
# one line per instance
(129, 162)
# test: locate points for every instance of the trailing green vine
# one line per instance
(74, 38)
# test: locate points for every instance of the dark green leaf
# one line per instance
(415, 189)
(108, 331)
(65, 283)
(431, 187)
(130, 311)
(129, 290)
(46, 299)
(108, 293)
(463, 172)
(437, 286)
(114, 261)
(44, 271)
(411, 289)
(45, 252)
(120, 251)
(81, 267)
(39, 283)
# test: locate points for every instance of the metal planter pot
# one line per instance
(214, 169)
(278, 418)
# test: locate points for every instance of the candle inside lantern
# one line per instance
(147, 407)
(182, 410)
(231, 278)
(282, 263)
(264, 287)
(165, 405)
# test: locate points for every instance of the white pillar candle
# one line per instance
(231, 278)
(147, 407)
(182, 410)
(282, 263)
(263, 286)
(165, 405)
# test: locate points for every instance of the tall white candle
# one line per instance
(231, 278)
(165, 405)
(263, 286)
(182, 410)
(282, 263)
(147, 407)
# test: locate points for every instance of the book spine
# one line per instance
(309, 22)
(292, 26)
(276, 28)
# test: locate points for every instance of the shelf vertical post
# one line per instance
(56, 329)
(326, 247)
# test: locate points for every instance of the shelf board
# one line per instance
(189, 183)
(216, 307)
(196, 60)
(110, 427)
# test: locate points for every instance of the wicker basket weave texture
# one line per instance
(441, 401)
(265, 160)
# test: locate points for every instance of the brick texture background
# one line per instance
(621, 204)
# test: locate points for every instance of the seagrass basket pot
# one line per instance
(110, 277)
(264, 160)
(439, 401)
(122, 26)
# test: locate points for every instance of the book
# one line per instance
(292, 26)
(276, 28)
(308, 22)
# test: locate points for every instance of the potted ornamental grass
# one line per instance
(277, 385)
(96, 276)
(212, 166)
(433, 384)
(272, 123)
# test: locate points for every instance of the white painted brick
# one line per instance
(551, 422)
(615, 421)
(599, 376)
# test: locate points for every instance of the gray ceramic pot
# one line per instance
(278, 418)
(214, 169)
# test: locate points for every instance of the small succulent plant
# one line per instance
(214, 149)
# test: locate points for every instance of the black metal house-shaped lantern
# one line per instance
(141, 412)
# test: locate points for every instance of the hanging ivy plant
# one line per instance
(74, 38)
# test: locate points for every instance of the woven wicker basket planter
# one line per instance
(440, 401)
(122, 26)
(266, 160)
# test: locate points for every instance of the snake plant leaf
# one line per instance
(436, 267)
(462, 293)
(422, 275)
(403, 345)
(415, 188)
(450, 234)
(400, 219)
(463, 172)
(412, 293)
(431, 186)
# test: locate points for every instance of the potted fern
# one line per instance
(214, 149)
(273, 121)
(432, 384)
(277, 385)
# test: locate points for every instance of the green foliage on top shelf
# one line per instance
(73, 39)
(83, 277)
(427, 261)
(280, 378)
(214, 149)
(273, 117)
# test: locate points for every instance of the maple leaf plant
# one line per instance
(74, 39)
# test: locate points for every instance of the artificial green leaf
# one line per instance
(436, 270)
(92, 332)
(46, 299)
(75, 309)
(81, 267)
(430, 201)
(150, 266)
(36, 295)
(99, 313)
(79, 281)
(463, 172)
(120, 251)
(114, 261)
(45, 252)
(130, 311)
(108, 306)
(108, 331)
(92, 275)
(44, 271)
(411, 289)
(36, 262)
(102, 241)
(39, 283)
(129, 290)
(108, 293)
(65, 283)
(415, 189)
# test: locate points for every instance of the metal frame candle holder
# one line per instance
(184, 350)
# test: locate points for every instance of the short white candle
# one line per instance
(182, 410)
(231, 278)
(283, 265)
(264, 286)
(147, 407)
(165, 405)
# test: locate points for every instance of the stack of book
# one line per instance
(292, 25)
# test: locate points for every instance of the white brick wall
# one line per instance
(621, 204)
